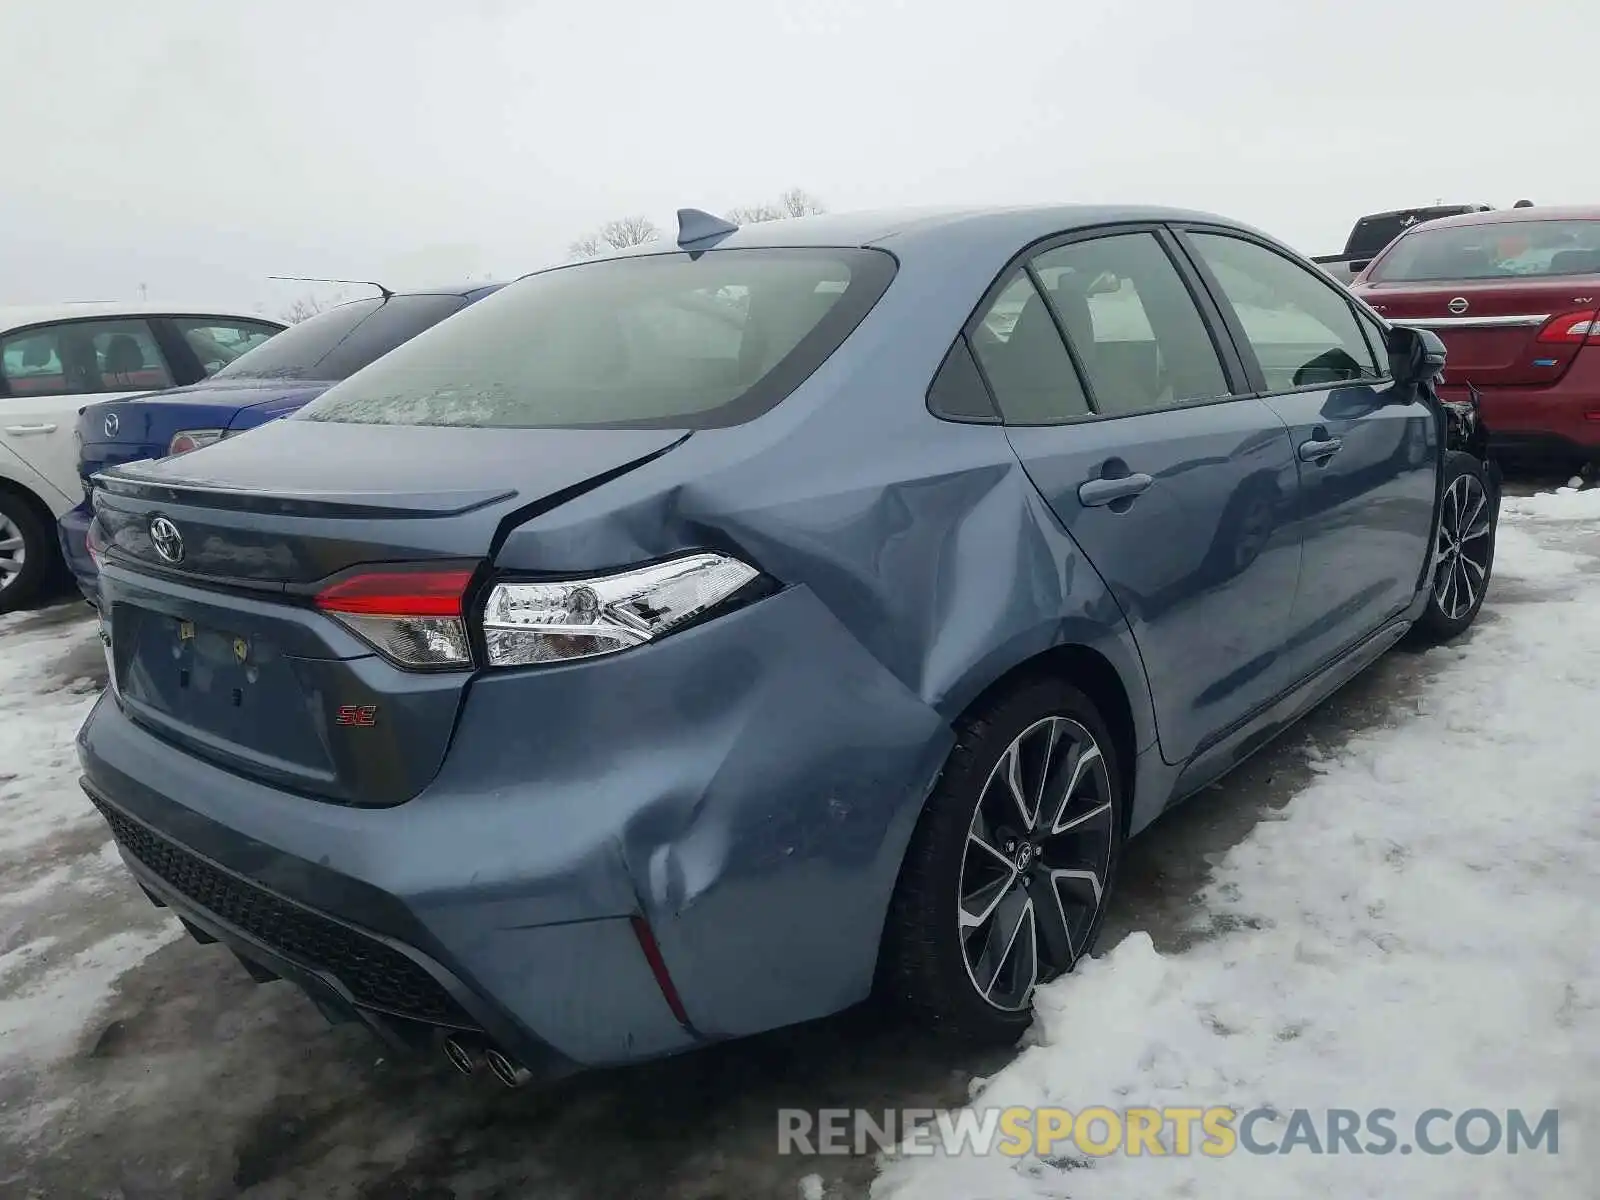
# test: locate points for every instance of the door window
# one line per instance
(1020, 350)
(83, 358)
(1135, 327)
(217, 342)
(31, 364)
(1301, 327)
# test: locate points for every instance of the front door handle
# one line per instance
(25, 430)
(1320, 450)
(1095, 493)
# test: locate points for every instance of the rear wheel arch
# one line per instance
(1092, 673)
(48, 562)
(29, 497)
(1071, 685)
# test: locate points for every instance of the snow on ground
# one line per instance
(55, 856)
(1417, 931)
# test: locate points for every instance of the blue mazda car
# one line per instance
(691, 642)
(267, 381)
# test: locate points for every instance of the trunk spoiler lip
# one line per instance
(126, 480)
(117, 481)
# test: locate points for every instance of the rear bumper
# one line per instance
(753, 813)
(72, 530)
(1555, 418)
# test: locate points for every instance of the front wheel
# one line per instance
(1463, 549)
(1005, 883)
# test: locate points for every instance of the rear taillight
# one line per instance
(1571, 328)
(95, 547)
(525, 624)
(412, 617)
(192, 439)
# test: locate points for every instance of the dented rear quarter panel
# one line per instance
(762, 789)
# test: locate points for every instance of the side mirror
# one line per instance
(1416, 361)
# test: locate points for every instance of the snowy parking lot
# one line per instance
(1392, 908)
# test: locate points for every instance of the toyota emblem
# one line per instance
(164, 536)
(112, 425)
(1458, 305)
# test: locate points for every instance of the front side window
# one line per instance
(661, 340)
(1021, 353)
(1493, 250)
(1300, 325)
(217, 342)
(77, 358)
(1132, 322)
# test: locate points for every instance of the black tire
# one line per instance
(1463, 548)
(20, 522)
(925, 962)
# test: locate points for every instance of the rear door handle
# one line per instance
(1318, 451)
(1095, 493)
(24, 430)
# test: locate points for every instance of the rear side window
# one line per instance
(1493, 250)
(662, 340)
(83, 358)
(1133, 323)
(958, 392)
(217, 342)
(1017, 344)
(338, 343)
(1301, 326)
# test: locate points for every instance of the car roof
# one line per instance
(453, 289)
(22, 315)
(1573, 212)
(1452, 209)
(950, 227)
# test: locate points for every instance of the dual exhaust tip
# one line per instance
(469, 1057)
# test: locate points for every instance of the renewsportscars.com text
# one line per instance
(1214, 1132)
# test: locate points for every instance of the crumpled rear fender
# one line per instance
(917, 566)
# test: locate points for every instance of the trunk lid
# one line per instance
(1492, 328)
(223, 651)
(115, 432)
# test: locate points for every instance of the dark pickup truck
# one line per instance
(1376, 230)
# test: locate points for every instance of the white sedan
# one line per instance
(56, 359)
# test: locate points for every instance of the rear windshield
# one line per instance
(664, 340)
(338, 343)
(1493, 250)
(1373, 233)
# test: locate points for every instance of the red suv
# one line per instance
(1515, 294)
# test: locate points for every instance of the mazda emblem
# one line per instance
(164, 536)
(113, 423)
(1458, 305)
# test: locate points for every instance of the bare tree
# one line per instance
(629, 231)
(797, 202)
(614, 235)
(751, 214)
(306, 306)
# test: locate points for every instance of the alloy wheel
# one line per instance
(1463, 547)
(1036, 860)
(13, 552)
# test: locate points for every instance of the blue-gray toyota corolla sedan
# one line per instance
(686, 643)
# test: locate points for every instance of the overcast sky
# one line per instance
(198, 146)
